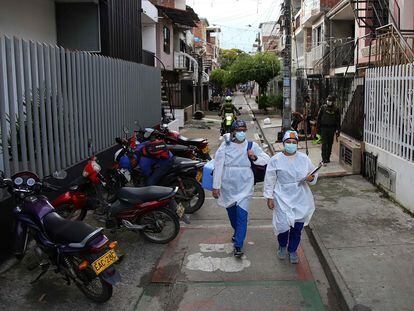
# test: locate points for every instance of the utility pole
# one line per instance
(287, 67)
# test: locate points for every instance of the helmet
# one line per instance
(237, 124)
(290, 135)
(228, 99)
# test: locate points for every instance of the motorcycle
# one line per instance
(81, 253)
(149, 210)
(200, 145)
(183, 173)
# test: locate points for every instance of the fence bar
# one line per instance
(11, 91)
(48, 95)
(29, 100)
(61, 104)
(3, 101)
(20, 101)
(55, 97)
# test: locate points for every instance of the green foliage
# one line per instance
(227, 57)
(263, 102)
(261, 67)
(218, 77)
(276, 101)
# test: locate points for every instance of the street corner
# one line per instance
(204, 254)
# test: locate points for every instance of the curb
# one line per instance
(346, 300)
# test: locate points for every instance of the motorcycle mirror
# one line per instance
(60, 174)
(126, 130)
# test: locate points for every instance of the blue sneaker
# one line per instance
(281, 253)
(293, 258)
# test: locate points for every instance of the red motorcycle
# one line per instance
(149, 210)
(200, 145)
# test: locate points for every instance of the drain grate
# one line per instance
(346, 155)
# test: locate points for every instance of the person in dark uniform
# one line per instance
(328, 123)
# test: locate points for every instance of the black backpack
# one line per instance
(259, 171)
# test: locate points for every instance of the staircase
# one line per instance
(394, 46)
(167, 109)
(371, 13)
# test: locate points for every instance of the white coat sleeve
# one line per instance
(262, 157)
(219, 165)
(311, 167)
(270, 179)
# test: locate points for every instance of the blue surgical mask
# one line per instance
(291, 148)
(240, 136)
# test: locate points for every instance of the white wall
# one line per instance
(405, 175)
(149, 42)
(28, 19)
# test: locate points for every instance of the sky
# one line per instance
(234, 18)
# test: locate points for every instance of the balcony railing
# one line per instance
(311, 9)
(317, 53)
(185, 62)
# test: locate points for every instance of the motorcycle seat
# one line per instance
(63, 231)
(191, 140)
(179, 162)
(178, 147)
(145, 194)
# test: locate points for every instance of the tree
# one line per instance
(218, 77)
(228, 57)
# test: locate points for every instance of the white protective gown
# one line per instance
(292, 196)
(233, 174)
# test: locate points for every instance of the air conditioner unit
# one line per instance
(386, 177)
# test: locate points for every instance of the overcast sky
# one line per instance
(234, 16)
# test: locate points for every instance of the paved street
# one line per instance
(196, 271)
(365, 241)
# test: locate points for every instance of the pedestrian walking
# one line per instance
(233, 179)
(329, 125)
(289, 196)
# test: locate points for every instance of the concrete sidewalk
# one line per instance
(364, 240)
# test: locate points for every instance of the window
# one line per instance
(166, 35)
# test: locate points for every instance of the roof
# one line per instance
(187, 17)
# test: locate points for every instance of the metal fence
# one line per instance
(53, 100)
(389, 109)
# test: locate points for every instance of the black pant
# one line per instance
(328, 134)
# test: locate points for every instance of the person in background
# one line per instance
(289, 196)
(233, 180)
(329, 125)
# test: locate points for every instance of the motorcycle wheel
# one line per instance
(194, 196)
(96, 289)
(163, 225)
(68, 211)
(113, 184)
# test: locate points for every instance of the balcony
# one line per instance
(311, 11)
(316, 54)
(187, 63)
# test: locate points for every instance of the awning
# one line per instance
(186, 18)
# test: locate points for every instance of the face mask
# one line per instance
(291, 148)
(329, 103)
(240, 136)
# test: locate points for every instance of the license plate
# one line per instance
(180, 210)
(199, 176)
(103, 262)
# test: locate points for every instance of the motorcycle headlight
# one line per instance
(228, 118)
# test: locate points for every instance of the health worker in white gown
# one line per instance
(288, 194)
(233, 179)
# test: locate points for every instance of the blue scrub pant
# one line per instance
(292, 236)
(238, 220)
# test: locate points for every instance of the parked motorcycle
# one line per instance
(202, 149)
(149, 210)
(78, 251)
(183, 174)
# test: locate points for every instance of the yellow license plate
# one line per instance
(206, 150)
(180, 210)
(199, 176)
(103, 262)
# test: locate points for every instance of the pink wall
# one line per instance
(167, 59)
